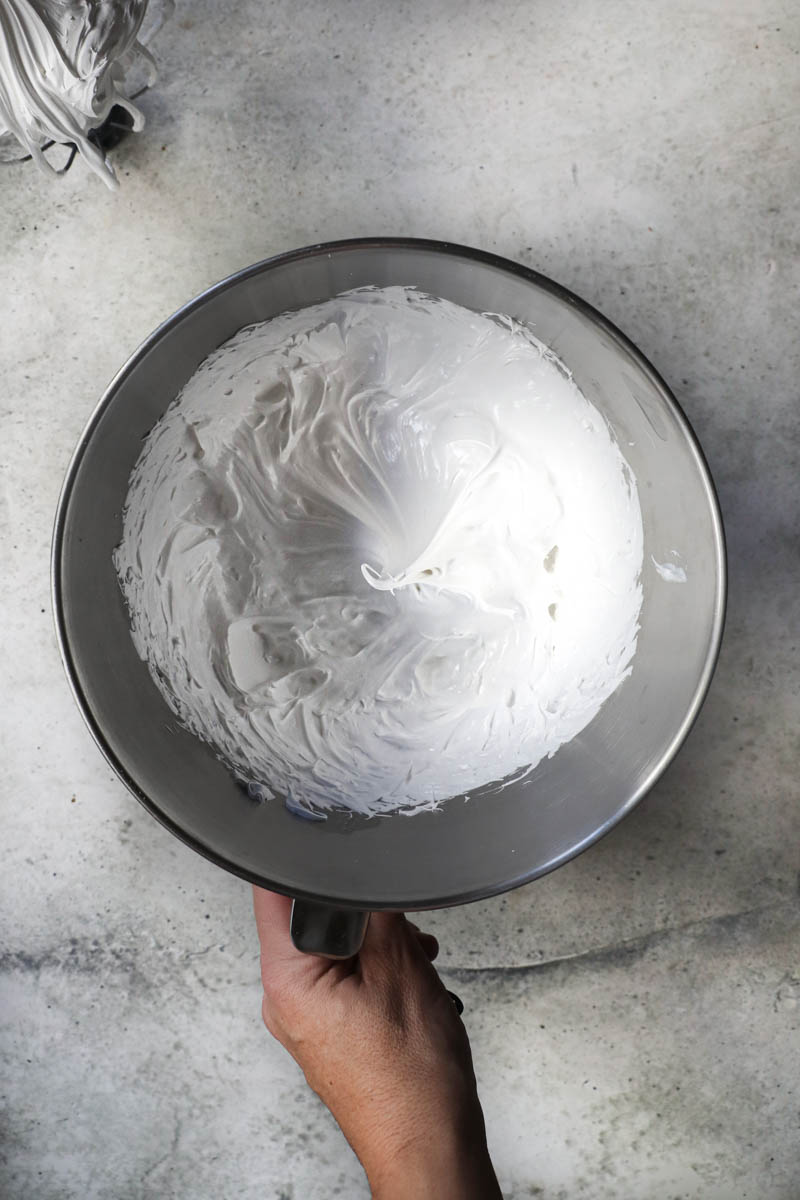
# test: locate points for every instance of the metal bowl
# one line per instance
(470, 848)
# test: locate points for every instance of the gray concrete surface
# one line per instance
(635, 1015)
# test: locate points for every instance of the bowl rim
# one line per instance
(328, 249)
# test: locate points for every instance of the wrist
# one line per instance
(439, 1161)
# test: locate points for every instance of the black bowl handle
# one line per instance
(329, 932)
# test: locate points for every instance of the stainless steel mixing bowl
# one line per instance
(470, 848)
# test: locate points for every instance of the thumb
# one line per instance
(281, 961)
(273, 915)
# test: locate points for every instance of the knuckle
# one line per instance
(281, 999)
(268, 1017)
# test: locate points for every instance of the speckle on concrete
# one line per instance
(634, 1015)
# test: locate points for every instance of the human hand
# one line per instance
(380, 1042)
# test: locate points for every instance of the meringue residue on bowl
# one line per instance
(382, 551)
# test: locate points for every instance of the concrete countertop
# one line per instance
(635, 1016)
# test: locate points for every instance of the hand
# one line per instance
(380, 1042)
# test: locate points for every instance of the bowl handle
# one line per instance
(329, 932)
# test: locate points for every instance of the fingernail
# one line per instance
(457, 1002)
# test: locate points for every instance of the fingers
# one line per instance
(273, 916)
(427, 941)
(384, 933)
(429, 944)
